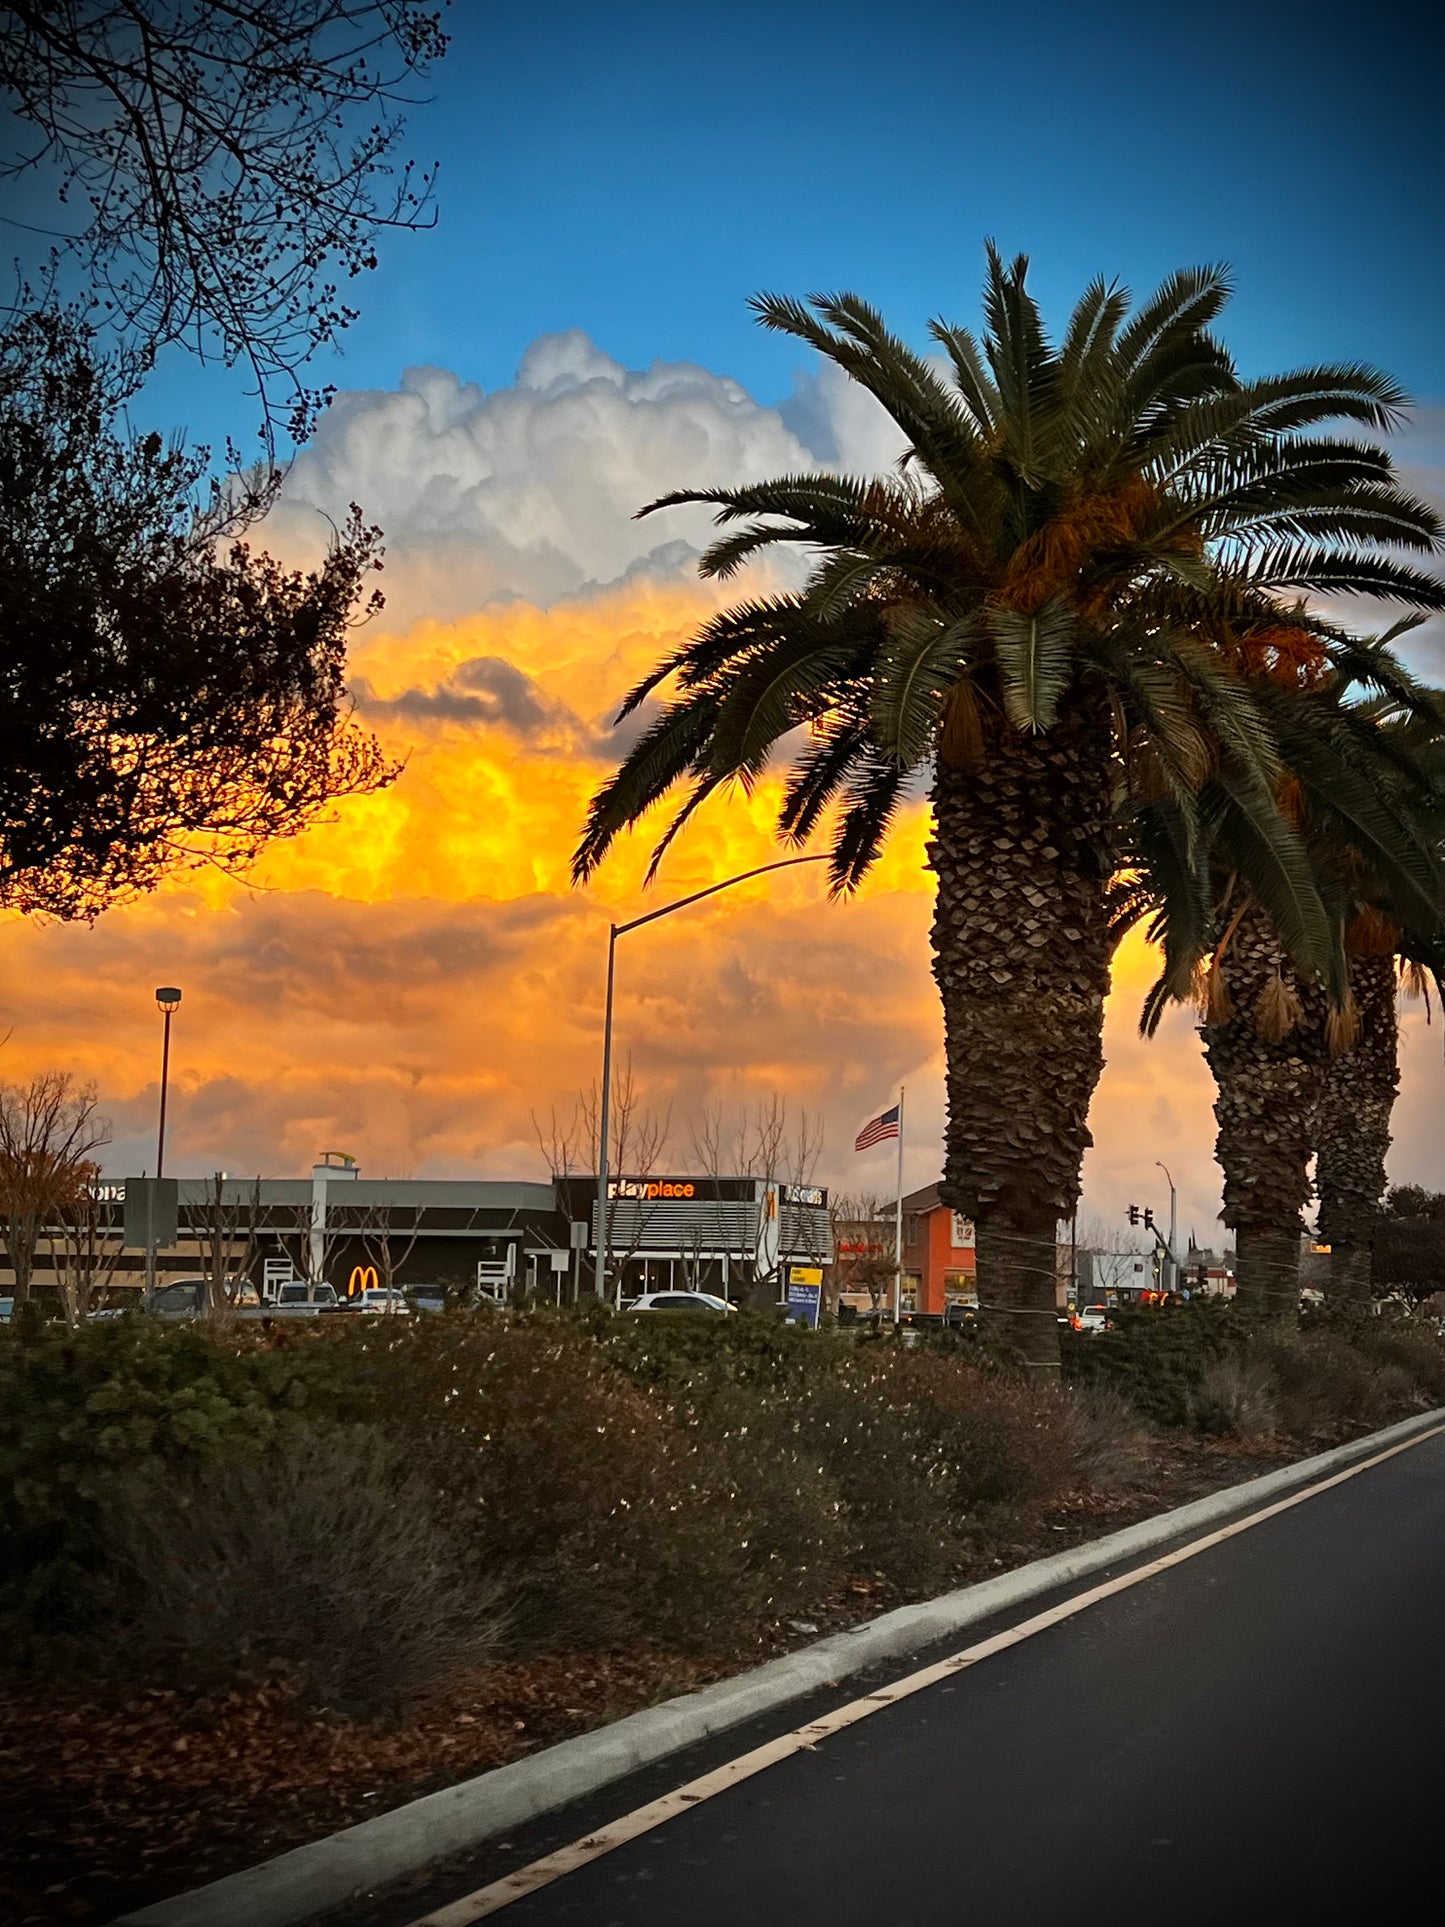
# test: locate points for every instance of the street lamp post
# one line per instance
(1173, 1265)
(168, 999)
(615, 931)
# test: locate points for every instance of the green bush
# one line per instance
(82, 1411)
(1155, 1358)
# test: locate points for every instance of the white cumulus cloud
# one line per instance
(532, 490)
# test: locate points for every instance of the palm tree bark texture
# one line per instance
(1352, 1134)
(1021, 851)
(1269, 1057)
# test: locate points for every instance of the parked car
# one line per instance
(1091, 1318)
(304, 1297)
(678, 1301)
(426, 1297)
(7, 1310)
(380, 1299)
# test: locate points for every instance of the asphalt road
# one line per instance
(1253, 1736)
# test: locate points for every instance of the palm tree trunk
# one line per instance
(1022, 849)
(1269, 1073)
(1352, 1134)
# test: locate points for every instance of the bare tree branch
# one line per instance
(48, 1130)
(219, 171)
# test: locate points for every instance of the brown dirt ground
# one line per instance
(107, 1803)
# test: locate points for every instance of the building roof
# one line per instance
(925, 1200)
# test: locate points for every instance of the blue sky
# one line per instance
(637, 171)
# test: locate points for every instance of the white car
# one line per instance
(380, 1298)
(1091, 1318)
(678, 1301)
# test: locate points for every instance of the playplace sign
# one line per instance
(647, 1189)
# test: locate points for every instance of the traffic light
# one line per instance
(1148, 1218)
(1133, 1214)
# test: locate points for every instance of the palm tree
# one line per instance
(1352, 1124)
(1030, 615)
(1352, 1127)
(1364, 795)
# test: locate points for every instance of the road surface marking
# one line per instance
(804, 1739)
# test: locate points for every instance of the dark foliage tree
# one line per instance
(1410, 1241)
(167, 695)
(218, 172)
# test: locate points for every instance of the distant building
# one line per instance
(1112, 1277)
(339, 1228)
(1207, 1271)
(862, 1273)
(940, 1255)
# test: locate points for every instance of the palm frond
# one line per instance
(1036, 660)
(874, 790)
(920, 663)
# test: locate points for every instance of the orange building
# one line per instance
(939, 1261)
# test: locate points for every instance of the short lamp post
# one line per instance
(616, 930)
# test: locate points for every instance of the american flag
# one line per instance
(883, 1126)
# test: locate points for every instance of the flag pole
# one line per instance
(898, 1223)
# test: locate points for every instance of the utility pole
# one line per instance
(1171, 1259)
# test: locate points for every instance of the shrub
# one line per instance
(325, 1554)
(1418, 1353)
(79, 1412)
(1155, 1358)
(1327, 1388)
(1102, 1441)
(1239, 1396)
(609, 1519)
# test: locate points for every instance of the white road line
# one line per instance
(541, 1873)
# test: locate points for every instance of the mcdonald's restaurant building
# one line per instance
(499, 1237)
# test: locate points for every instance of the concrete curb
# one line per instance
(307, 1881)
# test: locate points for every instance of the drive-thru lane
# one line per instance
(1254, 1734)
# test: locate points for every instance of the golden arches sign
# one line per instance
(363, 1278)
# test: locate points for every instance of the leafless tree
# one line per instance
(755, 1142)
(292, 1227)
(84, 1250)
(864, 1245)
(219, 172)
(48, 1129)
(561, 1143)
(225, 1229)
(1098, 1234)
(388, 1237)
(639, 1137)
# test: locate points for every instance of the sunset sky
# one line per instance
(412, 980)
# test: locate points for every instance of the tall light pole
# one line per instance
(1173, 1281)
(168, 998)
(614, 931)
